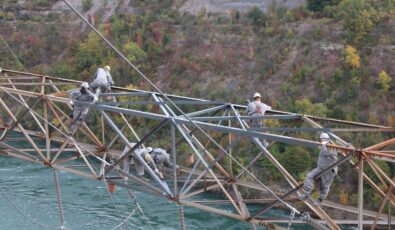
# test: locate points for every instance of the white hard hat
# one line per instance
(324, 136)
(107, 67)
(149, 149)
(257, 95)
(85, 85)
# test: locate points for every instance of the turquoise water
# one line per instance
(86, 203)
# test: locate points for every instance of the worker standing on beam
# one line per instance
(80, 112)
(325, 159)
(103, 81)
(256, 108)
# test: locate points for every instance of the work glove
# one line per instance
(324, 142)
(156, 171)
(95, 99)
(71, 102)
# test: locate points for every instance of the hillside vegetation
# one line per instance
(332, 58)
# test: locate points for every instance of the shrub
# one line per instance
(352, 57)
(306, 107)
(358, 18)
(319, 5)
(256, 16)
(384, 81)
(86, 5)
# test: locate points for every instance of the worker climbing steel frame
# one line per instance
(44, 119)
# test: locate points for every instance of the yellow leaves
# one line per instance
(343, 197)
(272, 123)
(352, 57)
(385, 80)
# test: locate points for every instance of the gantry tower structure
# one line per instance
(36, 108)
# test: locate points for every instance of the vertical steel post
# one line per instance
(174, 161)
(360, 193)
(47, 140)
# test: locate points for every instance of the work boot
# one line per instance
(265, 143)
(303, 196)
(318, 201)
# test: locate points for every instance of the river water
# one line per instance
(28, 201)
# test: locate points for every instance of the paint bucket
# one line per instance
(112, 188)
(191, 159)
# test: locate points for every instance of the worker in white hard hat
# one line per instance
(161, 157)
(144, 154)
(103, 81)
(325, 159)
(257, 108)
(80, 112)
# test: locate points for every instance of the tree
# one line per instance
(134, 53)
(89, 54)
(306, 107)
(257, 16)
(319, 5)
(352, 57)
(385, 80)
(358, 18)
(86, 5)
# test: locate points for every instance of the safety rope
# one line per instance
(123, 221)
(306, 218)
(291, 218)
(126, 219)
(13, 54)
(25, 215)
(182, 219)
(133, 196)
(59, 196)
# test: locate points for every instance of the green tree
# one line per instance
(90, 54)
(297, 161)
(134, 53)
(256, 16)
(86, 5)
(319, 5)
(306, 107)
(358, 18)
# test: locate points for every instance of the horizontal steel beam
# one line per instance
(160, 103)
(235, 118)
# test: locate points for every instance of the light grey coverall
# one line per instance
(256, 108)
(80, 112)
(139, 167)
(325, 159)
(161, 157)
(103, 81)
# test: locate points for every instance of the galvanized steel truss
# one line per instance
(36, 106)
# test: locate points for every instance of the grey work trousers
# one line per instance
(79, 116)
(324, 182)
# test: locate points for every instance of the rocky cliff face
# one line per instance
(220, 6)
